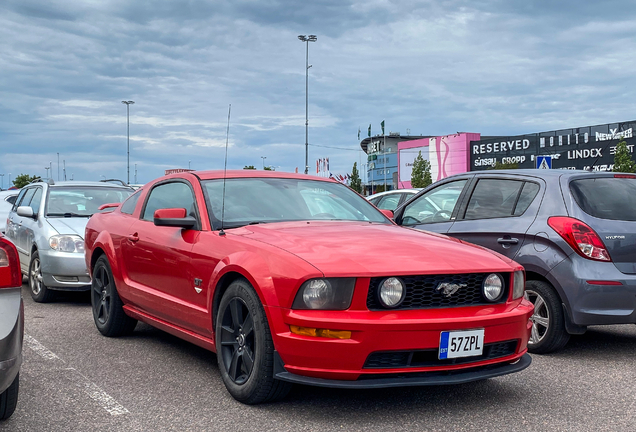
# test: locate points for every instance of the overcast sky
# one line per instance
(428, 67)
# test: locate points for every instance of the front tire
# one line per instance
(39, 292)
(244, 346)
(548, 321)
(108, 311)
(9, 399)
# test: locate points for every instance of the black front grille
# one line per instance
(425, 358)
(422, 293)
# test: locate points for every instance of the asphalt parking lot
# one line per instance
(74, 379)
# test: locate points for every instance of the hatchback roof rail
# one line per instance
(115, 181)
(41, 180)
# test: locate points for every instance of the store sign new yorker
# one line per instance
(590, 147)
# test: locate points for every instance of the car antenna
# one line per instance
(227, 138)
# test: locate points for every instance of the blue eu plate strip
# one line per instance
(443, 345)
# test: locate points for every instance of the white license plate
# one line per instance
(454, 344)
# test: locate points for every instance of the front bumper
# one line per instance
(11, 335)
(592, 304)
(64, 271)
(308, 358)
(407, 379)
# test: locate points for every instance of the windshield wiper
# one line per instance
(68, 214)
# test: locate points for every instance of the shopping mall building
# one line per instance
(390, 158)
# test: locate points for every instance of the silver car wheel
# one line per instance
(35, 276)
(540, 318)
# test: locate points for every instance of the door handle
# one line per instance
(507, 241)
(134, 238)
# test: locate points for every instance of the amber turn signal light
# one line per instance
(326, 333)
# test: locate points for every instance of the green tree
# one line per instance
(249, 167)
(427, 173)
(623, 159)
(355, 182)
(23, 179)
(500, 166)
(268, 168)
(379, 188)
(417, 174)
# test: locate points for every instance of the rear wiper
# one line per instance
(69, 214)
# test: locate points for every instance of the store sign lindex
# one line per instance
(590, 147)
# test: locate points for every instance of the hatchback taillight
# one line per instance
(10, 275)
(630, 176)
(580, 237)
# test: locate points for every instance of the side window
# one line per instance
(169, 195)
(26, 199)
(374, 201)
(17, 201)
(389, 202)
(11, 199)
(129, 205)
(436, 205)
(493, 198)
(529, 191)
(36, 200)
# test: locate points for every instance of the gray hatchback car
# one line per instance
(573, 231)
(47, 224)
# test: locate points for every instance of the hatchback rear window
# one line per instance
(606, 197)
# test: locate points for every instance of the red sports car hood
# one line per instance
(365, 249)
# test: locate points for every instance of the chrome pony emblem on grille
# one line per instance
(448, 289)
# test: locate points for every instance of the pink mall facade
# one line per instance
(448, 155)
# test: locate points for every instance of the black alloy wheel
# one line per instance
(244, 346)
(237, 341)
(102, 294)
(108, 312)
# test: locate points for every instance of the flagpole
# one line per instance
(384, 153)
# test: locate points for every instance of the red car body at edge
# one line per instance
(303, 281)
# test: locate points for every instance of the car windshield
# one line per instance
(263, 200)
(82, 201)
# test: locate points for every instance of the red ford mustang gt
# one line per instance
(295, 279)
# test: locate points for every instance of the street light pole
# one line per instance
(47, 172)
(263, 157)
(307, 39)
(128, 104)
(2, 186)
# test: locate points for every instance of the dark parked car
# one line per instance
(573, 231)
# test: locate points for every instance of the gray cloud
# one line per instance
(495, 67)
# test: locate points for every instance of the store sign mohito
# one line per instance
(590, 147)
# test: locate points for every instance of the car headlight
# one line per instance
(493, 287)
(67, 243)
(519, 285)
(325, 294)
(391, 292)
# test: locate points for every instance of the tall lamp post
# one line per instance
(128, 104)
(263, 157)
(2, 186)
(307, 39)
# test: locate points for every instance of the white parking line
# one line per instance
(92, 390)
(39, 348)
